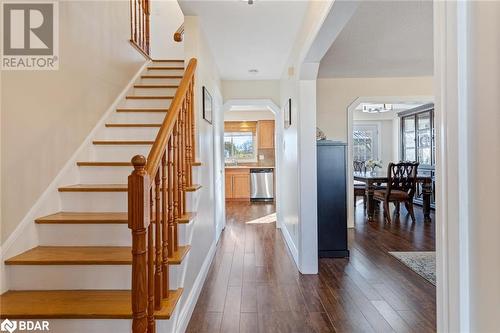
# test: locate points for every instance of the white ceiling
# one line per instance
(383, 39)
(244, 37)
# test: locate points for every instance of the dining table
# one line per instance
(375, 179)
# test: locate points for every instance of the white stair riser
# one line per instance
(94, 201)
(78, 277)
(104, 174)
(169, 72)
(158, 81)
(137, 117)
(119, 153)
(85, 235)
(153, 91)
(167, 64)
(145, 103)
(128, 133)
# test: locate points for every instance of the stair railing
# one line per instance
(140, 26)
(156, 200)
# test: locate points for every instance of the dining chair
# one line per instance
(401, 186)
(359, 187)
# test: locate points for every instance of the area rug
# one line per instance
(422, 263)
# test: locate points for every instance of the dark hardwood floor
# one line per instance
(254, 286)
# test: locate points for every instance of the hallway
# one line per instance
(254, 286)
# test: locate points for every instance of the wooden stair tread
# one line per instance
(161, 76)
(122, 142)
(197, 164)
(98, 218)
(76, 304)
(186, 218)
(141, 110)
(94, 188)
(85, 255)
(132, 125)
(165, 68)
(193, 188)
(145, 86)
(168, 60)
(84, 218)
(100, 164)
(149, 97)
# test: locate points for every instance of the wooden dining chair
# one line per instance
(401, 187)
(359, 187)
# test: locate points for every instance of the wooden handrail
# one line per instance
(161, 141)
(157, 200)
(179, 34)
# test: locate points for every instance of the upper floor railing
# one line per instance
(140, 25)
(179, 34)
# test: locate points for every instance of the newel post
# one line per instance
(138, 222)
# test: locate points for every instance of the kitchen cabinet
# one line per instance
(265, 132)
(237, 184)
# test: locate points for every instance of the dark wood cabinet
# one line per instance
(332, 199)
(418, 143)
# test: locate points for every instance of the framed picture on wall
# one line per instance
(207, 105)
(288, 113)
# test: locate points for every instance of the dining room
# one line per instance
(392, 157)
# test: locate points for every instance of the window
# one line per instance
(365, 142)
(239, 146)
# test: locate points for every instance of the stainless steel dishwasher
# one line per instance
(261, 184)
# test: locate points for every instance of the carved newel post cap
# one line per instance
(138, 161)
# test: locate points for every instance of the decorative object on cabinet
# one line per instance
(320, 135)
(288, 113)
(207, 105)
(332, 199)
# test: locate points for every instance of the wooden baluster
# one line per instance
(151, 271)
(189, 175)
(171, 189)
(147, 26)
(178, 159)
(131, 20)
(158, 244)
(164, 223)
(193, 122)
(175, 158)
(184, 155)
(138, 222)
(135, 21)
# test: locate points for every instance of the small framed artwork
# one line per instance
(288, 113)
(207, 105)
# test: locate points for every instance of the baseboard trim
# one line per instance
(290, 244)
(187, 311)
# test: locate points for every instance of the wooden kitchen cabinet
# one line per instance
(265, 132)
(237, 184)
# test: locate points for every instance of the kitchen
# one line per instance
(249, 151)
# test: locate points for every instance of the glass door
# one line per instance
(409, 136)
(424, 139)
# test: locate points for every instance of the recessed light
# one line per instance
(253, 71)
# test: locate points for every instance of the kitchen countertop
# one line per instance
(249, 166)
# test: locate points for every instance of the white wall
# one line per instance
(251, 89)
(204, 235)
(47, 114)
(248, 115)
(336, 94)
(166, 18)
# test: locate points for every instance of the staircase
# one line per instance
(88, 274)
